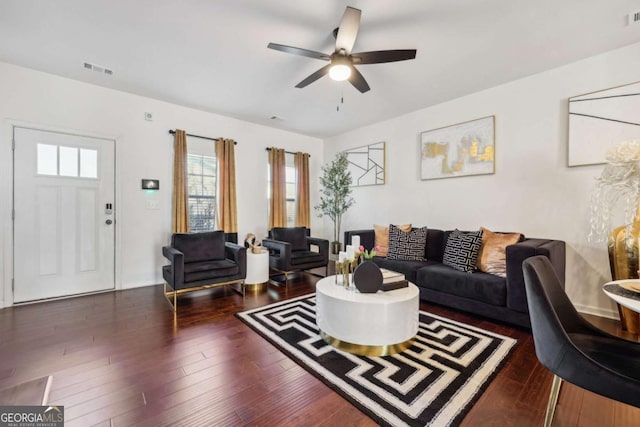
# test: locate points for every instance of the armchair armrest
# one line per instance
(279, 254)
(277, 248)
(177, 265)
(237, 253)
(322, 244)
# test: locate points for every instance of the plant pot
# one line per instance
(335, 247)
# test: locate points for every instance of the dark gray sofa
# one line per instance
(479, 293)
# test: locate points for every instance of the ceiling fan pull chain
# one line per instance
(341, 101)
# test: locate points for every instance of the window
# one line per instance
(290, 183)
(201, 183)
(69, 162)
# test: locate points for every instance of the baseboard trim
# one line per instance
(596, 311)
(141, 284)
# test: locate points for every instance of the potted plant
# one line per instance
(335, 195)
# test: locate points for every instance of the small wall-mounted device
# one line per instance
(108, 209)
(150, 184)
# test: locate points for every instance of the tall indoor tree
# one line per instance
(335, 194)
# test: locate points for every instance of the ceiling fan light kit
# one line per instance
(340, 68)
(341, 62)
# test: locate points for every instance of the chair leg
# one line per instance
(553, 400)
(173, 305)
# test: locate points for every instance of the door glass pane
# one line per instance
(68, 161)
(88, 163)
(47, 159)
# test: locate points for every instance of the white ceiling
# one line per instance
(213, 55)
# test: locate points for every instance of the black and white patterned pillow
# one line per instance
(461, 250)
(407, 246)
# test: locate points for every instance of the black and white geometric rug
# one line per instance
(433, 383)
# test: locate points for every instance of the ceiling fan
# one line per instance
(342, 62)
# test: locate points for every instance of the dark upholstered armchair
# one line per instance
(200, 261)
(290, 250)
(573, 349)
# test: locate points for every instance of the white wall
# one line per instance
(532, 191)
(144, 150)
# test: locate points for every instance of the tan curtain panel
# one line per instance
(278, 201)
(303, 207)
(180, 211)
(227, 218)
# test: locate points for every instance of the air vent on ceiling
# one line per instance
(634, 18)
(97, 68)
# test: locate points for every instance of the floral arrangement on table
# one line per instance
(619, 184)
(368, 254)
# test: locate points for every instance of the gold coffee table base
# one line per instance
(366, 350)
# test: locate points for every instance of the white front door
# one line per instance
(63, 228)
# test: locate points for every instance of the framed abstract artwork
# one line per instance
(366, 164)
(600, 120)
(462, 149)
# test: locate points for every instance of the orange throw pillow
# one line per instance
(382, 237)
(492, 257)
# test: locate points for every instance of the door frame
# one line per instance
(7, 247)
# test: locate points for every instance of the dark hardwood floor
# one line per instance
(121, 358)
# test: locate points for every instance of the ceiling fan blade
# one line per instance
(357, 80)
(315, 76)
(299, 51)
(380, 56)
(348, 29)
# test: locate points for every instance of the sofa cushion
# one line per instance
(492, 257)
(408, 268)
(382, 237)
(435, 245)
(303, 257)
(407, 246)
(479, 286)
(461, 250)
(200, 246)
(297, 236)
(195, 271)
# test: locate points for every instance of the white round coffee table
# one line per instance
(367, 324)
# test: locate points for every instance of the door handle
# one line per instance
(109, 222)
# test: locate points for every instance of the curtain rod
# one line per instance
(172, 132)
(288, 152)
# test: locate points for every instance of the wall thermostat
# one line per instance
(150, 184)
